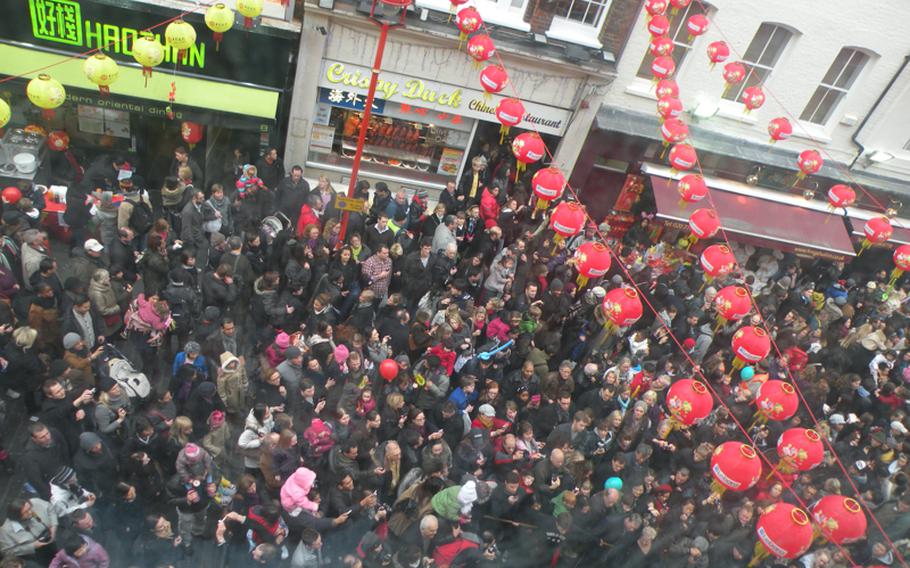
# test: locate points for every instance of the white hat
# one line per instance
(836, 419)
(93, 245)
(487, 410)
(897, 425)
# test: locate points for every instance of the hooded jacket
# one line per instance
(94, 557)
(295, 490)
(232, 384)
(250, 442)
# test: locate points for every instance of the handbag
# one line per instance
(211, 223)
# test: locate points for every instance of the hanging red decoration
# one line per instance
(58, 141)
(568, 219)
(840, 519)
(481, 48)
(547, 185)
(493, 79)
(678, 5)
(774, 400)
(656, 7)
(683, 157)
(779, 129)
(669, 107)
(592, 260)
(468, 21)
(191, 133)
(877, 231)
(753, 98)
(750, 345)
(388, 369)
(689, 402)
(809, 162)
(658, 26)
(840, 195)
(527, 147)
(692, 188)
(663, 67)
(733, 74)
(661, 45)
(717, 261)
(784, 531)
(696, 25)
(718, 52)
(11, 195)
(703, 224)
(674, 131)
(734, 466)
(901, 263)
(799, 449)
(509, 112)
(621, 306)
(667, 88)
(732, 303)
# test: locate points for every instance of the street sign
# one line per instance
(350, 203)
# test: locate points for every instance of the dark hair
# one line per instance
(80, 299)
(309, 536)
(46, 264)
(14, 509)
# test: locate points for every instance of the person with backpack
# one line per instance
(135, 211)
(185, 304)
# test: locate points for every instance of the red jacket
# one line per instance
(307, 217)
(489, 209)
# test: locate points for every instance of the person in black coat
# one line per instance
(96, 465)
(45, 451)
(72, 323)
(158, 545)
(291, 194)
(270, 168)
(202, 402)
(122, 254)
(218, 289)
(66, 412)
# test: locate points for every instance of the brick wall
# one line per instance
(622, 16)
(540, 14)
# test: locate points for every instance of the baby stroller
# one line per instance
(115, 365)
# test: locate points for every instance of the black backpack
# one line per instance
(141, 218)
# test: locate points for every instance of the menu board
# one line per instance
(449, 161)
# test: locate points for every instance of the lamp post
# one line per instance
(385, 24)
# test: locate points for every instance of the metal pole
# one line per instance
(365, 123)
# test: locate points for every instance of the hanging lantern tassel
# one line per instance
(862, 248)
(503, 132)
(147, 73)
(895, 274)
(759, 553)
(800, 176)
(717, 490)
(759, 418)
(217, 37)
(581, 282)
(719, 322)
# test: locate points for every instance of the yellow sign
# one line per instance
(350, 204)
(413, 89)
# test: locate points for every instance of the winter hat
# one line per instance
(207, 389)
(63, 476)
(590, 369)
(192, 347)
(466, 497)
(216, 419)
(292, 352)
(211, 313)
(688, 344)
(899, 427)
(341, 354)
(88, 440)
(227, 358)
(283, 340)
(836, 419)
(106, 383)
(70, 340)
(192, 452)
(403, 360)
(487, 410)
(701, 543)
(557, 285)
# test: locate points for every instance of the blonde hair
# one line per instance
(395, 400)
(25, 337)
(181, 428)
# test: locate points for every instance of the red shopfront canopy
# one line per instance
(762, 222)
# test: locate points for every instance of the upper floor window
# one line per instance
(763, 53)
(834, 86)
(580, 21)
(680, 36)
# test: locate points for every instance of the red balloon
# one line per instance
(674, 130)
(735, 466)
(692, 188)
(779, 129)
(191, 132)
(667, 88)
(752, 344)
(481, 48)
(841, 195)
(902, 257)
(718, 51)
(468, 20)
(622, 306)
(841, 519)
(493, 78)
(800, 448)
(568, 219)
(669, 107)
(388, 369)
(58, 141)
(809, 162)
(785, 530)
(548, 183)
(776, 400)
(528, 147)
(717, 260)
(658, 25)
(689, 401)
(593, 259)
(509, 112)
(878, 230)
(734, 73)
(704, 223)
(11, 195)
(733, 303)
(683, 157)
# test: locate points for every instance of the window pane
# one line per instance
(837, 67)
(826, 109)
(762, 36)
(816, 99)
(775, 47)
(755, 77)
(846, 79)
(586, 12)
(517, 3)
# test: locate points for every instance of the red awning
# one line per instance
(762, 222)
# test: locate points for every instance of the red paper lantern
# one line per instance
(656, 7)
(679, 4)
(704, 223)
(663, 67)
(667, 88)
(753, 98)
(841, 519)
(877, 231)
(527, 147)
(692, 188)
(841, 195)
(493, 79)
(901, 263)
(11, 195)
(669, 107)
(718, 52)
(683, 157)
(58, 141)
(661, 45)
(800, 449)
(658, 26)
(547, 185)
(735, 466)
(750, 345)
(689, 401)
(568, 219)
(191, 132)
(732, 303)
(468, 21)
(509, 112)
(779, 129)
(592, 261)
(733, 74)
(776, 400)
(388, 369)
(621, 306)
(456, 3)
(809, 162)
(696, 25)
(481, 48)
(717, 261)
(784, 531)
(674, 131)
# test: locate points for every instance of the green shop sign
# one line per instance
(61, 21)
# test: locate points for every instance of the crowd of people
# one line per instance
(432, 388)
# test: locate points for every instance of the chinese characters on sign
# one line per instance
(57, 20)
(348, 99)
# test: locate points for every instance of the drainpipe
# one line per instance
(862, 149)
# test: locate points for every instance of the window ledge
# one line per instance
(490, 13)
(735, 111)
(580, 34)
(641, 88)
(810, 131)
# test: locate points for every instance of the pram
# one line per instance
(115, 365)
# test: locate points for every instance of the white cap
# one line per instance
(93, 245)
(898, 426)
(487, 410)
(836, 419)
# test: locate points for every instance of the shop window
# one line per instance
(761, 57)
(580, 22)
(682, 43)
(835, 85)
